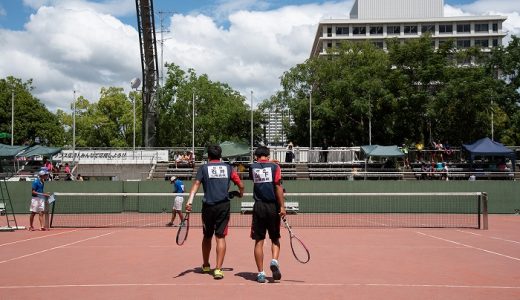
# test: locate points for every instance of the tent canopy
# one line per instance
(10, 151)
(384, 151)
(4, 135)
(487, 147)
(39, 150)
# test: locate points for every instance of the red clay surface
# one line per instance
(348, 263)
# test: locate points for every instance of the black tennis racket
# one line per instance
(300, 252)
(184, 227)
(233, 194)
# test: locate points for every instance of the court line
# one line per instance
(491, 237)
(398, 285)
(36, 238)
(54, 248)
(469, 246)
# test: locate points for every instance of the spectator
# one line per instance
(79, 177)
(324, 151)
(289, 154)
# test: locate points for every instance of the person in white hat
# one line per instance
(38, 200)
(178, 188)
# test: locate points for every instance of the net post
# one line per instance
(484, 198)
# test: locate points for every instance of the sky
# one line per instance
(84, 45)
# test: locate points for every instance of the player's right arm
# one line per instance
(193, 192)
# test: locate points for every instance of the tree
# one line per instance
(221, 113)
(32, 119)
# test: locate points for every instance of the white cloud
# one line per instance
(254, 51)
(66, 49)
(79, 45)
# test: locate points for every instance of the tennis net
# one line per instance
(449, 209)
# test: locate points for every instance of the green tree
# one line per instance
(31, 118)
(221, 113)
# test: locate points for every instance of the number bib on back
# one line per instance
(218, 172)
(262, 175)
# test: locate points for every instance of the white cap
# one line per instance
(172, 179)
(42, 172)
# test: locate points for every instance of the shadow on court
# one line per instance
(198, 270)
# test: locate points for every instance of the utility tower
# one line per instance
(150, 70)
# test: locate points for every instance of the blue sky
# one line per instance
(16, 14)
(83, 45)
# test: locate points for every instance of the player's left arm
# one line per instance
(280, 198)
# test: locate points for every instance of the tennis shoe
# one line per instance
(218, 274)
(206, 269)
(170, 224)
(275, 268)
(260, 278)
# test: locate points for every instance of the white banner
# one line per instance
(112, 156)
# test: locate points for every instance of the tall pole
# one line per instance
(135, 96)
(193, 126)
(251, 126)
(74, 127)
(12, 118)
(310, 120)
(369, 120)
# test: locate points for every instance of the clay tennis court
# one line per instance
(346, 263)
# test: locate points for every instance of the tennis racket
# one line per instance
(300, 252)
(184, 227)
(233, 194)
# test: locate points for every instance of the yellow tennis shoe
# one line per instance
(218, 274)
(206, 269)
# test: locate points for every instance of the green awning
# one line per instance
(39, 150)
(384, 151)
(4, 135)
(10, 151)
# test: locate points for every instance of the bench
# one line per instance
(2, 209)
(290, 207)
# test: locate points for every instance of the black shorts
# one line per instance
(265, 218)
(215, 219)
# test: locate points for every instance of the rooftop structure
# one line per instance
(378, 20)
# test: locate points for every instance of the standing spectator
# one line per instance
(268, 208)
(324, 151)
(178, 189)
(215, 177)
(39, 199)
(289, 154)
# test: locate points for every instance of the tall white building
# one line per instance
(273, 129)
(378, 20)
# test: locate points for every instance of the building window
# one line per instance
(428, 28)
(445, 28)
(393, 29)
(463, 43)
(329, 31)
(329, 45)
(376, 30)
(495, 27)
(410, 29)
(481, 27)
(463, 28)
(495, 42)
(342, 30)
(359, 30)
(482, 43)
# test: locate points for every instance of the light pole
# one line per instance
(135, 83)
(251, 126)
(310, 120)
(12, 118)
(193, 126)
(74, 126)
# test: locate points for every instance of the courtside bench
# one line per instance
(290, 207)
